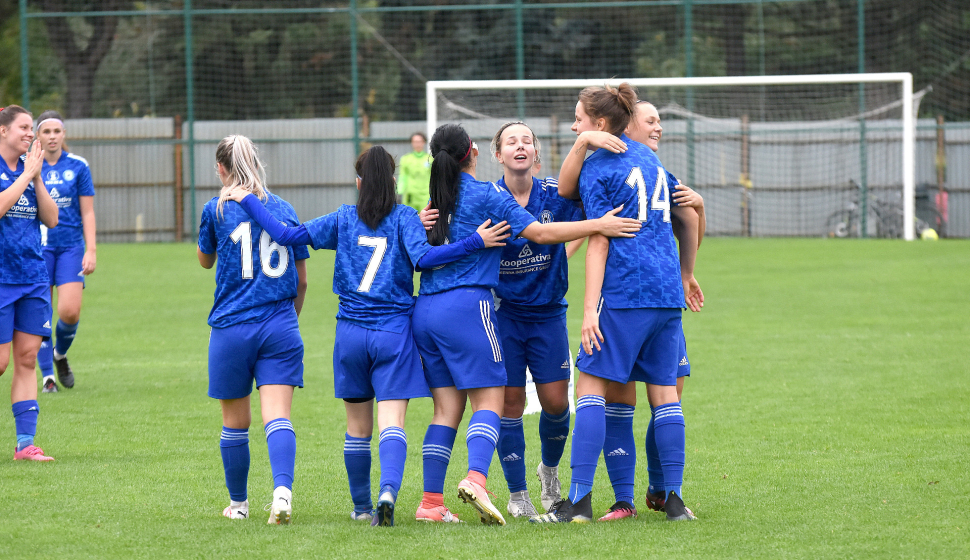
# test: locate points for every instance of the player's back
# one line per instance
(374, 268)
(477, 201)
(642, 271)
(253, 273)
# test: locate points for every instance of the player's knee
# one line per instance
(514, 402)
(69, 316)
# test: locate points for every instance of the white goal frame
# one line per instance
(904, 79)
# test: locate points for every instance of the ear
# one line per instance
(358, 183)
(601, 123)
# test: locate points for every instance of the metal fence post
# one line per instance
(190, 102)
(24, 57)
(863, 147)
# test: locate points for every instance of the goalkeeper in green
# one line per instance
(412, 184)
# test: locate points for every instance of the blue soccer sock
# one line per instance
(281, 443)
(588, 435)
(438, 442)
(357, 460)
(654, 471)
(393, 450)
(65, 336)
(671, 443)
(234, 446)
(619, 450)
(45, 358)
(553, 431)
(481, 438)
(25, 421)
(511, 448)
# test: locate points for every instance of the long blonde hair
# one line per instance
(240, 158)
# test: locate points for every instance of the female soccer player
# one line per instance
(70, 250)
(25, 305)
(453, 324)
(378, 244)
(531, 313)
(641, 283)
(621, 400)
(415, 173)
(255, 334)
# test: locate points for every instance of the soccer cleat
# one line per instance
(476, 496)
(31, 453)
(438, 514)
(676, 510)
(565, 511)
(384, 513)
(281, 508)
(655, 501)
(49, 385)
(620, 510)
(520, 505)
(237, 510)
(549, 484)
(64, 373)
(367, 516)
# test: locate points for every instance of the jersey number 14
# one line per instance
(661, 193)
(243, 236)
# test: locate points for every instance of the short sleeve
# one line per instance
(85, 186)
(503, 207)
(207, 233)
(414, 239)
(593, 191)
(323, 231)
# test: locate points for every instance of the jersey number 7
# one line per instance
(380, 247)
(661, 193)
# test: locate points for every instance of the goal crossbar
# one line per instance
(904, 79)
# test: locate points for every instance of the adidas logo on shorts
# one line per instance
(617, 452)
(512, 457)
(683, 361)
(565, 365)
(47, 325)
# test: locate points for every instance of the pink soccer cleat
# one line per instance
(620, 510)
(31, 453)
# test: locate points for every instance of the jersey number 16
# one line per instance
(243, 236)
(661, 193)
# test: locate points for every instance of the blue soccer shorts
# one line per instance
(369, 363)
(640, 344)
(25, 308)
(269, 352)
(458, 339)
(542, 347)
(64, 264)
(683, 364)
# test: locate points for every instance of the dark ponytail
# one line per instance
(377, 195)
(450, 147)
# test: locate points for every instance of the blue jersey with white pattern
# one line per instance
(253, 273)
(21, 259)
(533, 278)
(67, 180)
(477, 201)
(642, 271)
(373, 274)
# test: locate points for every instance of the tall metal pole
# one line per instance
(519, 57)
(689, 73)
(190, 101)
(354, 77)
(863, 148)
(24, 58)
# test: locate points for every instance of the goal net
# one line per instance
(826, 155)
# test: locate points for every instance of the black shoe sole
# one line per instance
(384, 515)
(66, 377)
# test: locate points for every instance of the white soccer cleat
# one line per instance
(362, 516)
(549, 484)
(281, 509)
(237, 510)
(520, 505)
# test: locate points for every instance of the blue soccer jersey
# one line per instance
(533, 278)
(477, 201)
(67, 180)
(642, 271)
(21, 257)
(374, 271)
(253, 273)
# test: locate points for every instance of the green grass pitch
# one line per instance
(828, 416)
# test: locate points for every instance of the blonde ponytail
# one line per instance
(240, 158)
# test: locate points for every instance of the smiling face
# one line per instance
(585, 123)
(19, 134)
(645, 127)
(51, 136)
(516, 150)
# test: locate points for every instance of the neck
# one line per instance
(53, 157)
(470, 170)
(9, 156)
(519, 183)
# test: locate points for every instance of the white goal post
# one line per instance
(434, 89)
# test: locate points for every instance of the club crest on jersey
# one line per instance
(3, 177)
(526, 252)
(68, 175)
(53, 177)
(545, 217)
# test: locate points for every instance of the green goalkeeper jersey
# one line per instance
(412, 182)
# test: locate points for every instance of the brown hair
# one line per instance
(615, 104)
(497, 139)
(10, 112)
